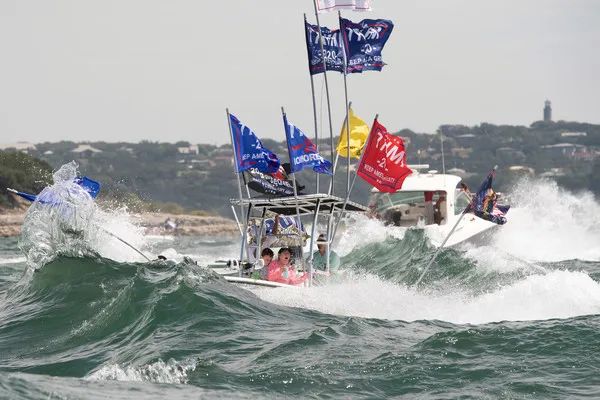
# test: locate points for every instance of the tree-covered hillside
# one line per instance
(201, 176)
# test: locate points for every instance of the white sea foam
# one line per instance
(558, 294)
(12, 260)
(361, 231)
(158, 372)
(548, 223)
(119, 223)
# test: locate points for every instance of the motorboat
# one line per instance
(433, 202)
(257, 229)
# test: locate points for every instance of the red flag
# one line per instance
(383, 164)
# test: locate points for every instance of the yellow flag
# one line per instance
(359, 131)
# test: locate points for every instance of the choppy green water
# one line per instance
(489, 322)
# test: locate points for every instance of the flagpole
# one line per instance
(354, 178)
(337, 157)
(347, 103)
(448, 237)
(285, 127)
(326, 87)
(439, 249)
(314, 101)
(235, 165)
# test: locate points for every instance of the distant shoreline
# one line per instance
(11, 221)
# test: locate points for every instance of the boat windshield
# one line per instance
(405, 208)
(461, 202)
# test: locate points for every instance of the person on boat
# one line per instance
(282, 271)
(320, 257)
(429, 213)
(440, 209)
(267, 256)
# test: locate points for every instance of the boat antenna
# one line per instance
(443, 159)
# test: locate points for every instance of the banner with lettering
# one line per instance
(363, 43)
(332, 48)
(303, 152)
(249, 151)
(383, 164)
(269, 184)
(332, 5)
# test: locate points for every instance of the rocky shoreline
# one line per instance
(154, 223)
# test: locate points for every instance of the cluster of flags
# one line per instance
(250, 154)
(353, 48)
(356, 45)
(383, 163)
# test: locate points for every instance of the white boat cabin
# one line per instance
(425, 199)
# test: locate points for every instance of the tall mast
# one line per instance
(326, 90)
(312, 91)
(343, 34)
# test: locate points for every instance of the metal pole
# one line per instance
(312, 242)
(235, 166)
(443, 160)
(337, 157)
(347, 105)
(259, 236)
(314, 102)
(124, 242)
(353, 179)
(439, 249)
(237, 221)
(329, 240)
(244, 238)
(285, 126)
(326, 84)
(343, 207)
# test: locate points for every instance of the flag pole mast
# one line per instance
(312, 91)
(347, 104)
(447, 237)
(285, 127)
(439, 249)
(337, 155)
(326, 90)
(235, 166)
(353, 179)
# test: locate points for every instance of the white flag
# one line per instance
(332, 5)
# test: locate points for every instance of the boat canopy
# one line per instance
(305, 204)
(428, 182)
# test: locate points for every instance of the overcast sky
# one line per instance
(127, 70)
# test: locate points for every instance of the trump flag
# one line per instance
(363, 43)
(303, 152)
(249, 151)
(332, 5)
(383, 164)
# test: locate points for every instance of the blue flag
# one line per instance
(484, 203)
(249, 151)
(363, 43)
(303, 152)
(90, 186)
(332, 48)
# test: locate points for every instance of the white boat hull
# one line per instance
(470, 228)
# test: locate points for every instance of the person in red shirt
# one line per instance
(282, 271)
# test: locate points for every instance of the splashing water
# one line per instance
(558, 294)
(553, 224)
(65, 220)
(57, 222)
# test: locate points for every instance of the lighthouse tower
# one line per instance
(547, 111)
